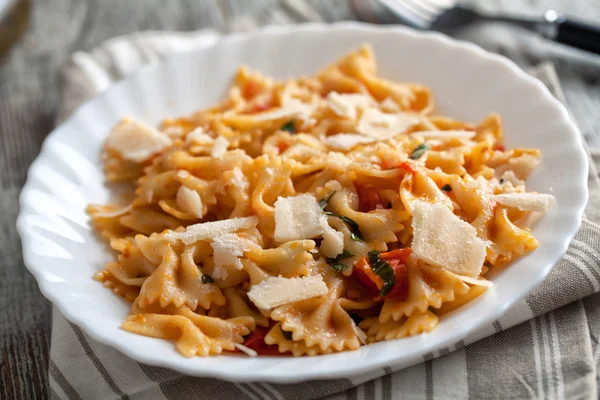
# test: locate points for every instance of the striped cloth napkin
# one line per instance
(542, 348)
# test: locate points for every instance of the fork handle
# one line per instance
(573, 32)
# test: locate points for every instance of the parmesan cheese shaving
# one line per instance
(333, 241)
(346, 141)
(339, 105)
(441, 135)
(526, 201)
(137, 141)
(220, 147)
(245, 349)
(444, 240)
(474, 281)
(229, 247)
(384, 126)
(198, 137)
(112, 214)
(277, 291)
(207, 230)
(189, 201)
(297, 218)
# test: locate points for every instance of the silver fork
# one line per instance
(444, 15)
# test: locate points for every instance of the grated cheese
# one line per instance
(457, 134)
(197, 136)
(333, 241)
(277, 291)
(346, 141)
(443, 239)
(245, 349)
(384, 126)
(207, 230)
(137, 141)
(189, 201)
(229, 247)
(297, 218)
(526, 201)
(341, 106)
(219, 147)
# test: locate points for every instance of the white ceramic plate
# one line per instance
(62, 252)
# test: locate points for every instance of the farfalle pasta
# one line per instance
(310, 216)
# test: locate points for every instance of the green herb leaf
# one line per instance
(355, 234)
(501, 181)
(418, 151)
(286, 334)
(339, 267)
(384, 270)
(207, 279)
(447, 188)
(335, 262)
(289, 127)
(325, 202)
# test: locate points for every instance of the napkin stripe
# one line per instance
(60, 379)
(96, 361)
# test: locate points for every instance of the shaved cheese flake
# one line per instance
(198, 137)
(346, 141)
(277, 291)
(245, 349)
(389, 105)
(441, 135)
(229, 247)
(189, 201)
(333, 241)
(137, 141)
(359, 100)
(207, 230)
(220, 147)
(474, 281)
(297, 218)
(219, 272)
(239, 180)
(173, 131)
(443, 239)
(112, 214)
(526, 201)
(339, 105)
(384, 126)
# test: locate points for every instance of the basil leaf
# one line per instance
(286, 334)
(355, 230)
(501, 181)
(447, 188)
(289, 127)
(418, 151)
(325, 202)
(335, 262)
(207, 279)
(384, 270)
(338, 266)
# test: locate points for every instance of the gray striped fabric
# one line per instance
(544, 347)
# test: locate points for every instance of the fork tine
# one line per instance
(409, 14)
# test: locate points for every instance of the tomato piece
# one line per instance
(407, 167)
(400, 289)
(368, 198)
(366, 276)
(500, 147)
(256, 342)
(373, 282)
(397, 254)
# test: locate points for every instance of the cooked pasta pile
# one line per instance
(310, 216)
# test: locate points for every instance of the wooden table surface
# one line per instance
(29, 96)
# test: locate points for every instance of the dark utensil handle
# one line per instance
(578, 34)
